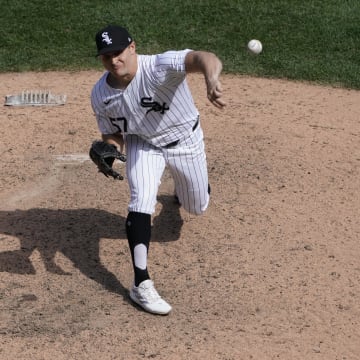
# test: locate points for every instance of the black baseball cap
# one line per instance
(112, 38)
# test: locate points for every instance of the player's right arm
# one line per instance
(111, 129)
(211, 66)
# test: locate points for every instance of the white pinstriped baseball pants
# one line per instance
(187, 163)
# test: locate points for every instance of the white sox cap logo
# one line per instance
(106, 38)
(113, 38)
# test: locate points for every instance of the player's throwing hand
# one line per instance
(210, 65)
(214, 91)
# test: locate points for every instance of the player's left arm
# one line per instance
(211, 66)
(114, 139)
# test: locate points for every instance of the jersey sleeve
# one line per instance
(172, 61)
(105, 125)
(169, 67)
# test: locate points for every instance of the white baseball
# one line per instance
(255, 46)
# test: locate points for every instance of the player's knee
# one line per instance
(142, 204)
(196, 205)
(198, 210)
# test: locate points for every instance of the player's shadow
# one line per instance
(75, 233)
(167, 225)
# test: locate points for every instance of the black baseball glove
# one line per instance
(104, 155)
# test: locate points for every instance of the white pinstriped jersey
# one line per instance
(157, 104)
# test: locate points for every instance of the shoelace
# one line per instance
(149, 293)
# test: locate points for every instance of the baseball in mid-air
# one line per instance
(255, 46)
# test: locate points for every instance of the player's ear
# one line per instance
(132, 47)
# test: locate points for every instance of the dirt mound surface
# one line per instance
(271, 271)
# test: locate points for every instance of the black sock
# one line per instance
(138, 230)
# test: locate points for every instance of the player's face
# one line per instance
(121, 63)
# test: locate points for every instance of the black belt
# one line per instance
(174, 143)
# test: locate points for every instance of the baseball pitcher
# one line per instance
(144, 108)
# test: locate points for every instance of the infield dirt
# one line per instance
(271, 271)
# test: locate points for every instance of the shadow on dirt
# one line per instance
(167, 225)
(75, 233)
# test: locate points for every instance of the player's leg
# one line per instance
(188, 166)
(145, 166)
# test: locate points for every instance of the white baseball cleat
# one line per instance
(148, 298)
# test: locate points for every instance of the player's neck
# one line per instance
(118, 82)
(121, 81)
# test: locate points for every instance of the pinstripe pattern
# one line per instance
(144, 167)
(186, 162)
(160, 78)
(155, 110)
